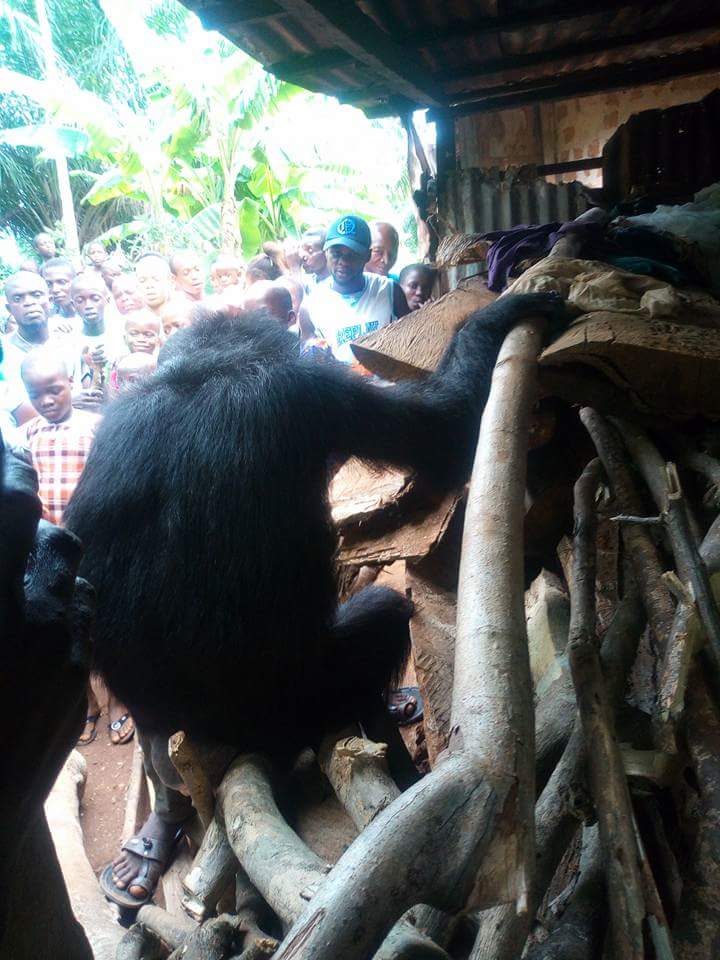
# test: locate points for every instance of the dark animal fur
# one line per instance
(203, 510)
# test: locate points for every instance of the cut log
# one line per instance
(212, 871)
(412, 347)
(62, 809)
(358, 772)
(137, 803)
(686, 637)
(285, 871)
(172, 930)
(186, 760)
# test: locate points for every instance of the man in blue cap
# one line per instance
(351, 302)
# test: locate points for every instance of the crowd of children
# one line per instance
(75, 335)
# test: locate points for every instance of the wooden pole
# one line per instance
(429, 845)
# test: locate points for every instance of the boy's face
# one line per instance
(175, 315)
(312, 255)
(142, 333)
(50, 394)
(224, 277)
(28, 301)
(109, 271)
(59, 281)
(189, 276)
(97, 254)
(45, 245)
(154, 280)
(90, 299)
(417, 287)
(126, 294)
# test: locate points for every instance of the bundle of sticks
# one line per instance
(545, 828)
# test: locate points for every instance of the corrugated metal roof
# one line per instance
(391, 55)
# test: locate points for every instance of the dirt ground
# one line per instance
(103, 804)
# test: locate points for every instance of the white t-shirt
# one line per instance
(341, 318)
(85, 343)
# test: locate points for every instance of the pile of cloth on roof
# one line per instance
(679, 244)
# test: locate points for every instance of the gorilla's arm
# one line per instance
(431, 426)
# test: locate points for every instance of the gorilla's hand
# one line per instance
(523, 306)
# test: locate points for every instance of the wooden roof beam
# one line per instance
(508, 23)
(297, 69)
(342, 25)
(585, 83)
(705, 21)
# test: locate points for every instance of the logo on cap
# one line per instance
(346, 227)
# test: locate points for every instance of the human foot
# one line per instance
(90, 730)
(121, 725)
(144, 857)
(91, 718)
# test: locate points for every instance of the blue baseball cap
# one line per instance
(351, 232)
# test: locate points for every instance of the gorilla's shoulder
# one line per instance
(224, 342)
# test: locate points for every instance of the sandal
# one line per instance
(116, 726)
(83, 741)
(405, 705)
(149, 849)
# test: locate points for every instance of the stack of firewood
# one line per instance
(566, 645)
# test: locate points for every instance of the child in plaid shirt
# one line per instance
(59, 439)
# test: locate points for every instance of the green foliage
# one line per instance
(174, 135)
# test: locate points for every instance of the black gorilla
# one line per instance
(203, 510)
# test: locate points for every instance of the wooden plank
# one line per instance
(358, 491)
(432, 632)
(412, 347)
(666, 367)
(414, 537)
(345, 26)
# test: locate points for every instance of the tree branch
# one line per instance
(643, 552)
(605, 766)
